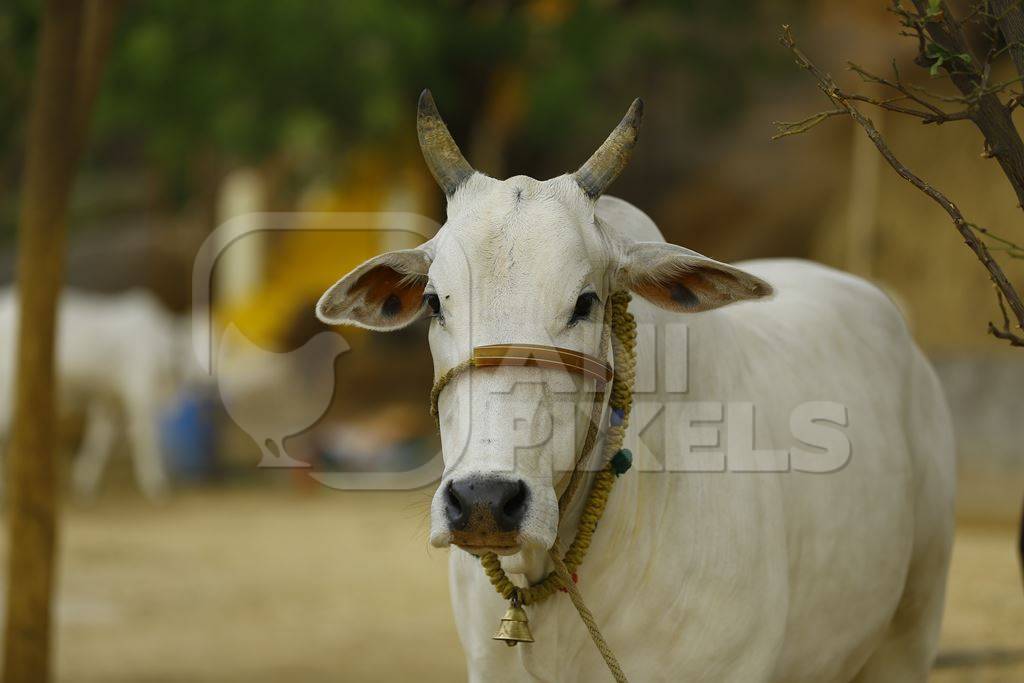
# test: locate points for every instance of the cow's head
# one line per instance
(518, 261)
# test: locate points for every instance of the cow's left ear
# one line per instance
(681, 280)
(383, 294)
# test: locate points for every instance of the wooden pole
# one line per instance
(73, 45)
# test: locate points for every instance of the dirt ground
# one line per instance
(276, 585)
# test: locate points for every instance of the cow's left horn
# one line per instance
(446, 163)
(611, 157)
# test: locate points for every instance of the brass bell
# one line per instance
(515, 627)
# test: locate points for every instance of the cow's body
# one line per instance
(787, 576)
(734, 569)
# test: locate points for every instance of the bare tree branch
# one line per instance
(99, 22)
(1012, 249)
(926, 117)
(966, 229)
(804, 125)
(1004, 332)
(929, 113)
(898, 86)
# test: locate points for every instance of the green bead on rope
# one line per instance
(621, 462)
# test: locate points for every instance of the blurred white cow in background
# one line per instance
(118, 358)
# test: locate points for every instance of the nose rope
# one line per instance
(615, 461)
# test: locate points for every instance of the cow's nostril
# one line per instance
(454, 500)
(517, 503)
(455, 508)
(513, 507)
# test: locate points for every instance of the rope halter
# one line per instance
(620, 326)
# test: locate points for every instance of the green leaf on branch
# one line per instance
(940, 55)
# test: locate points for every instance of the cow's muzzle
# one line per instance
(485, 513)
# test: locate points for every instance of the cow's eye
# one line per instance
(584, 303)
(433, 302)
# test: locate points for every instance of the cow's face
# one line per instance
(519, 261)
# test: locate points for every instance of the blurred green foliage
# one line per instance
(194, 85)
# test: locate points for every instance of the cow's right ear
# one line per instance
(383, 294)
(683, 281)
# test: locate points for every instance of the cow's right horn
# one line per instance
(446, 163)
(604, 166)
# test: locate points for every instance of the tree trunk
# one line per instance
(990, 115)
(1010, 19)
(64, 87)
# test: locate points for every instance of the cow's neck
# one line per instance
(639, 498)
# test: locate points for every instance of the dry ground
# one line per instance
(330, 586)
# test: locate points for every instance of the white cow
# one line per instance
(117, 361)
(831, 570)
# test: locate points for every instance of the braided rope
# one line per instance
(593, 429)
(538, 592)
(442, 382)
(588, 619)
(624, 330)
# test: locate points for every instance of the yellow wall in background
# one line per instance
(302, 261)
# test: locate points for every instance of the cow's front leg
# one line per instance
(95, 449)
(150, 473)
